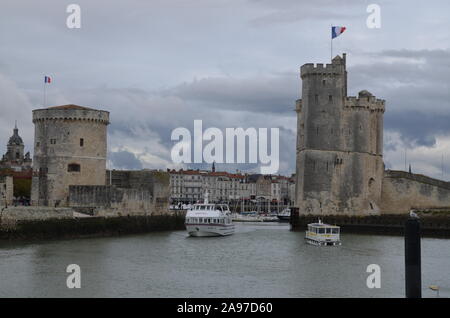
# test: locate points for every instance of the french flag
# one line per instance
(336, 31)
(47, 79)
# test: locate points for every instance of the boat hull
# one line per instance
(322, 243)
(202, 230)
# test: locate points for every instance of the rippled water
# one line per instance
(259, 260)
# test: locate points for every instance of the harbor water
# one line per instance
(259, 260)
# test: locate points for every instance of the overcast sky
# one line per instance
(159, 64)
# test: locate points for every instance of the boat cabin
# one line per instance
(323, 234)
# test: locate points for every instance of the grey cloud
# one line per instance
(416, 88)
(290, 11)
(275, 94)
(125, 160)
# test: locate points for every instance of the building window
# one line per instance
(330, 98)
(38, 144)
(316, 98)
(52, 141)
(323, 82)
(81, 142)
(73, 167)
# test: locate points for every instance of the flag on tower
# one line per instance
(336, 31)
(47, 79)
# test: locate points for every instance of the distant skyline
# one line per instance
(158, 65)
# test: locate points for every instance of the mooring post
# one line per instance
(413, 271)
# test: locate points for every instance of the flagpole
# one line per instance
(45, 93)
(331, 53)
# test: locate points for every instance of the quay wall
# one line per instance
(433, 223)
(56, 223)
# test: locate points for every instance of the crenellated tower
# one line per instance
(339, 144)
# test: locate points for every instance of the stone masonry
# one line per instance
(69, 149)
(339, 144)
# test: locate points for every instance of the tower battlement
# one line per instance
(337, 67)
(364, 103)
(70, 112)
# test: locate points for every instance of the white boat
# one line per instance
(284, 215)
(209, 219)
(323, 234)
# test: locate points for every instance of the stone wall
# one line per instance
(403, 191)
(11, 216)
(144, 192)
(113, 201)
(157, 182)
(6, 190)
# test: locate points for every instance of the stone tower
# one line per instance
(69, 149)
(339, 144)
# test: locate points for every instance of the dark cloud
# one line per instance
(416, 87)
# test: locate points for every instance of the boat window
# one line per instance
(321, 231)
(328, 230)
(335, 231)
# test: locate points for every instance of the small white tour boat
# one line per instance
(207, 219)
(284, 215)
(323, 234)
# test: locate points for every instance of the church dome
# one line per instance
(15, 139)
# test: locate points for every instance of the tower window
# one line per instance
(316, 98)
(81, 142)
(330, 98)
(323, 82)
(73, 167)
